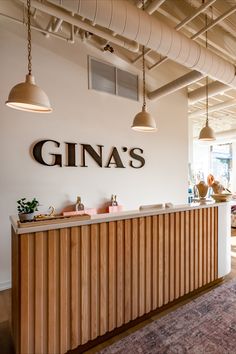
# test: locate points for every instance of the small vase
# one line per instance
(202, 189)
(26, 217)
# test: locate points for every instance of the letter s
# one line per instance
(136, 157)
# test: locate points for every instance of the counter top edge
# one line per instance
(107, 217)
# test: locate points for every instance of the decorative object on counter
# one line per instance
(113, 200)
(79, 206)
(50, 215)
(89, 211)
(151, 206)
(52, 211)
(202, 189)
(223, 197)
(143, 121)
(57, 219)
(169, 205)
(26, 96)
(26, 209)
(114, 207)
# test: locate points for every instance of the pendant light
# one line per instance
(26, 96)
(143, 121)
(207, 133)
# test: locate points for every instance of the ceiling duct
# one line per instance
(175, 85)
(134, 24)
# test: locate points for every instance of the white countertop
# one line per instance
(99, 218)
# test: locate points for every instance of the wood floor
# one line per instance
(6, 345)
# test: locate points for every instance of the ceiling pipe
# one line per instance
(175, 85)
(64, 16)
(153, 6)
(214, 88)
(183, 23)
(127, 20)
(217, 107)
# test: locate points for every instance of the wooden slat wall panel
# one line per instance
(177, 250)
(201, 254)
(120, 272)
(112, 276)
(95, 289)
(166, 259)
(75, 286)
(135, 269)
(81, 282)
(141, 263)
(160, 261)
(204, 246)
(154, 262)
(216, 241)
(212, 245)
(186, 254)
(182, 254)
(191, 251)
(27, 264)
(172, 256)
(65, 290)
(15, 300)
(85, 284)
(104, 278)
(53, 291)
(196, 248)
(148, 264)
(208, 220)
(40, 292)
(128, 270)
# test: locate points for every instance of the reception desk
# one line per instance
(76, 281)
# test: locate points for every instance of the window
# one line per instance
(107, 78)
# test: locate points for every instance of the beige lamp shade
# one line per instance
(144, 122)
(27, 96)
(207, 134)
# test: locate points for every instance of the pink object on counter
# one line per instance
(90, 211)
(115, 209)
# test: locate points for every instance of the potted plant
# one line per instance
(27, 208)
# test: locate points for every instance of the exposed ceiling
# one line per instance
(185, 16)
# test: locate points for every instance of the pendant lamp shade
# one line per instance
(144, 122)
(207, 133)
(27, 96)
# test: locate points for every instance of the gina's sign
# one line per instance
(47, 152)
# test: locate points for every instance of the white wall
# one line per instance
(82, 116)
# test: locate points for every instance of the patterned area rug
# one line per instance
(204, 325)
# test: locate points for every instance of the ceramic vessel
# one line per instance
(202, 188)
(26, 216)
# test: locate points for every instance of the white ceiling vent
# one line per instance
(107, 78)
